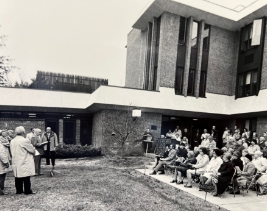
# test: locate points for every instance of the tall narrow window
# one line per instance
(148, 55)
(191, 82)
(206, 36)
(182, 31)
(246, 37)
(202, 85)
(247, 83)
(194, 34)
(179, 80)
(156, 54)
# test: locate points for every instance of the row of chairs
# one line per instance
(169, 170)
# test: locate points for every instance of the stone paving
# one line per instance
(250, 201)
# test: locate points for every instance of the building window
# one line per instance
(246, 37)
(182, 31)
(194, 36)
(247, 83)
(206, 37)
(191, 82)
(202, 84)
(156, 54)
(179, 80)
(148, 55)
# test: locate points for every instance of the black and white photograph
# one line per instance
(133, 105)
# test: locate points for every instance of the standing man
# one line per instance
(37, 143)
(22, 160)
(214, 134)
(4, 164)
(50, 137)
(30, 135)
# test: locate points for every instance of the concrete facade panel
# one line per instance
(135, 66)
(261, 125)
(222, 62)
(97, 136)
(264, 66)
(169, 32)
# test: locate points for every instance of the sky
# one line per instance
(79, 37)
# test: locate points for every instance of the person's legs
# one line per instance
(180, 179)
(36, 164)
(47, 157)
(175, 174)
(53, 157)
(27, 185)
(2, 182)
(189, 177)
(19, 185)
(159, 166)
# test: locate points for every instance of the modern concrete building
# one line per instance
(192, 64)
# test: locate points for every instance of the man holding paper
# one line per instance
(38, 144)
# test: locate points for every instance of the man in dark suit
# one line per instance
(37, 143)
(165, 161)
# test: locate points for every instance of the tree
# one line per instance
(5, 65)
(119, 127)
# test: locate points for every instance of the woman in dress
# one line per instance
(224, 175)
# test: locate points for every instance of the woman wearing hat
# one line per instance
(236, 161)
(245, 175)
(212, 167)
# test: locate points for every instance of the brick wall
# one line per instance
(11, 124)
(264, 66)
(135, 65)
(60, 131)
(78, 131)
(222, 66)
(103, 120)
(261, 125)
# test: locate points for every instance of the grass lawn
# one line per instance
(100, 184)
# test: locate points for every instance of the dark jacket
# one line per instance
(182, 153)
(226, 171)
(238, 162)
(36, 142)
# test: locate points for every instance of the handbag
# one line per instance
(206, 188)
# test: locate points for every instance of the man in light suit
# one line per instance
(30, 135)
(50, 137)
(22, 161)
(165, 161)
(37, 143)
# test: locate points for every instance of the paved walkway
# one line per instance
(250, 202)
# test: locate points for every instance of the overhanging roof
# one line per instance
(121, 98)
(231, 15)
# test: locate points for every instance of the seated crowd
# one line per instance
(240, 162)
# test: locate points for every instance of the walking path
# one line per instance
(250, 202)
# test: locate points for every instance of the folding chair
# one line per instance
(253, 183)
(169, 168)
(246, 186)
(232, 181)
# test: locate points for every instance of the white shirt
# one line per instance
(260, 164)
(205, 143)
(214, 164)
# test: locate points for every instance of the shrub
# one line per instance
(77, 151)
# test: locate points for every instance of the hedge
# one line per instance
(77, 151)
